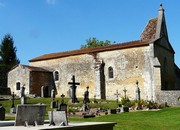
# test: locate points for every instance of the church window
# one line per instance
(18, 84)
(110, 72)
(56, 75)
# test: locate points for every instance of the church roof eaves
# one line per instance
(33, 68)
(125, 45)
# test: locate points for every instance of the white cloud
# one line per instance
(52, 2)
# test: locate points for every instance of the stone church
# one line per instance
(148, 62)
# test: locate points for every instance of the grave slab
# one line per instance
(30, 113)
(58, 117)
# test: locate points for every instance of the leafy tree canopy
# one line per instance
(93, 42)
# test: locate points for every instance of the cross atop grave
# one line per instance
(12, 104)
(117, 96)
(125, 90)
(137, 91)
(73, 87)
(86, 96)
(22, 95)
(62, 106)
(62, 96)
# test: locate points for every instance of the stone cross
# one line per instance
(73, 87)
(62, 106)
(22, 95)
(125, 90)
(117, 96)
(62, 100)
(95, 101)
(86, 96)
(12, 105)
(137, 92)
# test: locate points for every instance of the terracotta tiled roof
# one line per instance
(150, 30)
(131, 44)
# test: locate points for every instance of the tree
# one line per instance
(93, 42)
(8, 58)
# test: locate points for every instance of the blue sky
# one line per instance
(46, 26)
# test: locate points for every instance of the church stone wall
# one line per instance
(166, 59)
(19, 74)
(129, 66)
(82, 66)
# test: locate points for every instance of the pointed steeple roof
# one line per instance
(156, 27)
(161, 29)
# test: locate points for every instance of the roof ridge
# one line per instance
(91, 50)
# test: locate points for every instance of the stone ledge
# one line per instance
(9, 125)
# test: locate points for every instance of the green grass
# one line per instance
(166, 119)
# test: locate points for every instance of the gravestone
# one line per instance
(117, 96)
(42, 91)
(22, 95)
(95, 101)
(113, 111)
(2, 112)
(62, 106)
(30, 114)
(58, 118)
(85, 108)
(137, 92)
(86, 96)
(73, 88)
(125, 90)
(53, 102)
(52, 93)
(124, 108)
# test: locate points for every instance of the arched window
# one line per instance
(56, 75)
(18, 85)
(110, 72)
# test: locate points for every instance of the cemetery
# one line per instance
(57, 112)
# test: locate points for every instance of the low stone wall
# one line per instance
(170, 97)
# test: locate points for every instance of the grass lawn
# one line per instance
(166, 119)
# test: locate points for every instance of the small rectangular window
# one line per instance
(18, 84)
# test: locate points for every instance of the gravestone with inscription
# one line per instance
(73, 88)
